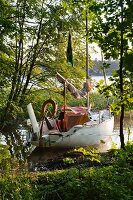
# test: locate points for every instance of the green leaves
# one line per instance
(107, 26)
(112, 180)
(113, 90)
(128, 60)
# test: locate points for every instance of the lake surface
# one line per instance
(98, 78)
(128, 129)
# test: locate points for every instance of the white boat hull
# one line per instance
(97, 132)
(93, 134)
(88, 135)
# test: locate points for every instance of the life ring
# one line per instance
(54, 107)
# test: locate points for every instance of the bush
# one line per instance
(110, 182)
(4, 158)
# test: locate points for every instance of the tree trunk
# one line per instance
(121, 127)
(121, 81)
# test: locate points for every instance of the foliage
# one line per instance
(36, 37)
(5, 156)
(128, 60)
(82, 155)
(68, 160)
(112, 181)
(113, 90)
(97, 101)
(9, 162)
(112, 30)
(90, 153)
(106, 29)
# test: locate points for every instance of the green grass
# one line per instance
(112, 180)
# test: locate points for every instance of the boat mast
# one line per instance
(87, 62)
(64, 97)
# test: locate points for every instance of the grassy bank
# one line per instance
(112, 179)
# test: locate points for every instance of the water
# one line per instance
(128, 129)
(2, 139)
(17, 141)
(96, 79)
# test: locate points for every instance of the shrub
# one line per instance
(110, 182)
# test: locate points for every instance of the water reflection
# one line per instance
(128, 129)
(2, 139)
(16, 138)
